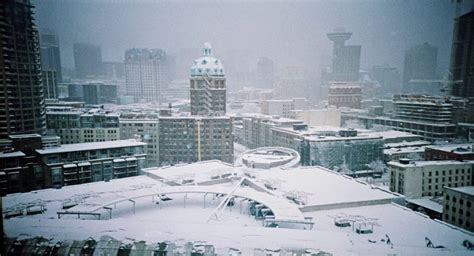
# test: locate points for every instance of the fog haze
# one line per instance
(290, 32)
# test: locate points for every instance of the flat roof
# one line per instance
(91, 146)
(430, 163)
(175, 223)
(455, 148)
(320, 186)
(427, 203)
(11, 154)
(199, 171)
(391, 151)
(465, 190)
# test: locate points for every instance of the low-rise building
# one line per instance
(345, 95)
(283, 107)
(416, 179)
(458, 152)
(257, 129)
(89, 162)
(458, 207)
(330, 116)
(82, 125)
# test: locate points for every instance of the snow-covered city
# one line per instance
(205, 127)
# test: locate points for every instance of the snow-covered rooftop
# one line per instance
(427, 203)
(321, 188)
(11, 154)
(197, 172)
(91, 146)
(429, 163)
(469, 190)
(455, 148)
(173, 221)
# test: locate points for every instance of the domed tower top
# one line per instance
(207, 65)
(207, 49)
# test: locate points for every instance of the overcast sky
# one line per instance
(290, 32)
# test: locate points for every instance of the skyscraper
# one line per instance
(264, 73)
(207, 133)
(50, 84)
(208, 87)
(420, 64)
(346, 58)
(462, 62)
(50, 54)
(87, 60)
(22, 108)
(146, 74)
(388, 77)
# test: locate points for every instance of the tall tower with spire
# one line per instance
(208, 85)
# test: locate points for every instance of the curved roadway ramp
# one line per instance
(284, 211)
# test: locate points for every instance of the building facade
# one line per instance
(265, 75)
(346, 59)
(345, 95)
(458, 207)
(146, 74)
(87, 60)
(50, 54)
(461, 79)
(192, 139)
(22, 108)
(89, 162)
(146, 128)
(416, 179)
(80, 125)
(50, 84)
(420, 63)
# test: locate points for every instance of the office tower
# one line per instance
(346, 58)
(87, 60)
(113, 70)
(50, 84)
(462, 63)
(50, 54)
(419, 67)
(146, 74)
(21, 95)
(388, 77)
(208, 87)
(264, 73)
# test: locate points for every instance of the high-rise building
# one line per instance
(87, 60)
(146, 74)
(50, 54)
(462, 63)
(207, 133)
(346, 58)
(208, 85)
(50, 84)
(388, 77)
(22, 107)
(419, 68)
(264, 73)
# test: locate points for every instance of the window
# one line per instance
(461, 202)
